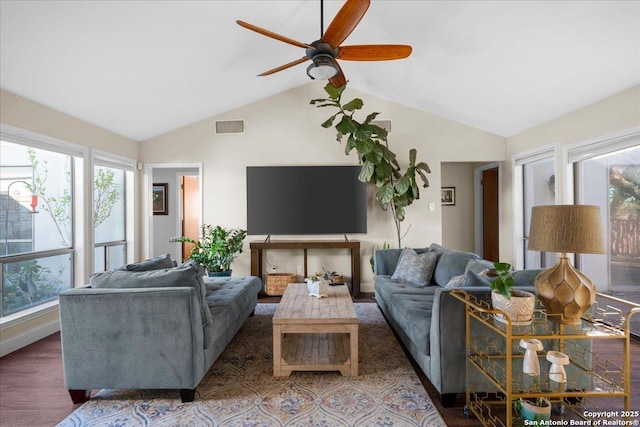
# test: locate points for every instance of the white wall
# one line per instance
(285, 130)
(611, 115)
(457, 220)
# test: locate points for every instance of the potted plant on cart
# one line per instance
(517, 304)
(216, 249)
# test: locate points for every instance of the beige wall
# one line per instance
(611, 115)
(457, 220)
(285, 130)
(25, 114)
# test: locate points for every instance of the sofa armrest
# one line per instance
(131, 338)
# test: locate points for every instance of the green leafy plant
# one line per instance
(217, 247)
(503, 283)
(396, 189)
(374, 248)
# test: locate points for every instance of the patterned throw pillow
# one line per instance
(414, 268)
(458, 281)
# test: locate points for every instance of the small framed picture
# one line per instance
(160, 199)
(448, 196)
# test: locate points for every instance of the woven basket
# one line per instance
(277, 282)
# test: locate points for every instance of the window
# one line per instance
(109, 217)
(36, 220)
(535, 176)
(607, 174)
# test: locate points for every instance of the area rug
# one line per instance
(240, 390)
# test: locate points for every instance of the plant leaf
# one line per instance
(366, 172)
(334, 92)
(403, 185)
(375, 156)
(383, 170)
(412, 156)
(346, 125)
(371, 117)
(351, 144)
(329, 122)
(385, 193)
(364, 146)
(354, 104)
(364, 132)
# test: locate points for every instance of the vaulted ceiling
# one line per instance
(142, 68)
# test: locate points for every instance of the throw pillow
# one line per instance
(451, 263)
(477, 279)
(458, 281)
(156, 263)
(478, 265)
(415, 268)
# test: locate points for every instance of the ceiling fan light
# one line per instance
(323, 67)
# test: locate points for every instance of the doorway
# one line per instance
(487, 211)
(162, 226)
(190, 201)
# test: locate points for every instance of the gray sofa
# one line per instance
(150, 328)
(427, 319)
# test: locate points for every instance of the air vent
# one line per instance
(384, 124)
(229, 126)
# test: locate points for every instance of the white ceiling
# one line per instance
(142, 68)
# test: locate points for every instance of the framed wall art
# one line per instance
(448, 196)
(160, 199)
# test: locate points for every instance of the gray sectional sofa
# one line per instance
(426, 318)
(150, 327)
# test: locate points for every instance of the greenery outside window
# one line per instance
(109, 217)
(36, 225)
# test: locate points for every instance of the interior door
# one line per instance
(190, 212)
(490, 225)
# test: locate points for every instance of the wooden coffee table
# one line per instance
(315, 334)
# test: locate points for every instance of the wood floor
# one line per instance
(32, 391)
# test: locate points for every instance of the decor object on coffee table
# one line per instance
(216, 249)
(563, 290)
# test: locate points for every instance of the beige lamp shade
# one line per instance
(563, 290)
(566, 228)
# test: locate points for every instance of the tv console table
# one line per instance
(258, 247)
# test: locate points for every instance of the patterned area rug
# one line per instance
(240, 390)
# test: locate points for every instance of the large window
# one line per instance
(607, 174)
(109, 217)
(36, 225)
(535, 176)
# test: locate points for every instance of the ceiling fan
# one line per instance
(325, 51)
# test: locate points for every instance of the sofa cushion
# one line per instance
(451, 263)
(412, 313)
(414, 268)
(156, 263)
(188, 274)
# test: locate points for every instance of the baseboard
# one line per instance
(28, 337)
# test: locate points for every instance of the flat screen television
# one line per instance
(305, 200)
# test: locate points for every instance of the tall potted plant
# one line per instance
(396, 188)
(216, 249)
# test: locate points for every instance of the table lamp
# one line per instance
(565, 292)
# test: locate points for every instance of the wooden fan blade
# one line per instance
(339, 79)
(345, 22)
(285, 66)
(272, 34)
(374, 52)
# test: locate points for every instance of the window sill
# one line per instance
(28, 314)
